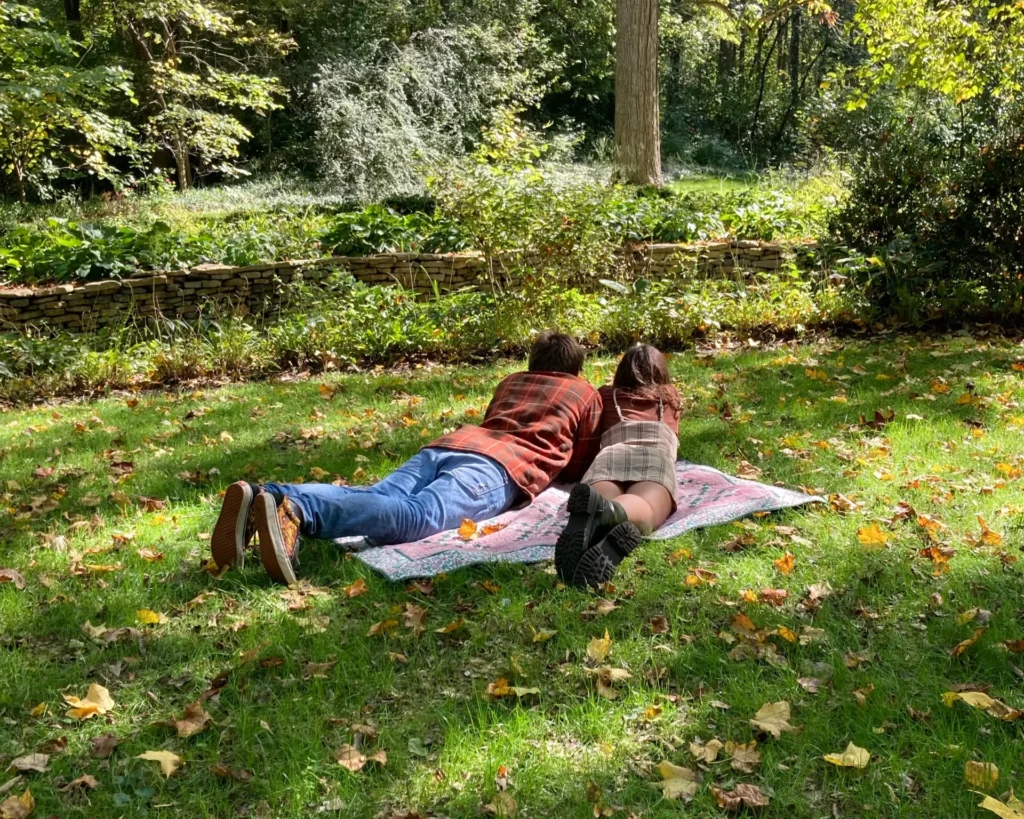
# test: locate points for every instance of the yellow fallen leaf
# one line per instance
(872, 536)
(1013, 808)
(787, 634)
(97, 701)
(355, 589)
(785, 563)
(150, 618)
(988, 536)
(467, 530)
(39, 710)
(18, 807)
(706, 752)
(773, 718)
(852, 757)
(982, 701)
(677, 782)
(598, 648)
(542, 635)
(745, 756)
(169, 762)
(981, 774)
(963, 645)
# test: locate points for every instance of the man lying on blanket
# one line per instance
(540, 424)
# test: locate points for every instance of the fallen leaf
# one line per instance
(169, 762)
(861, 694)
(451, 627)
(1013, 808)
(785, 563)
(872, 536)
(787, 634)
(12, 576)
(97, 701)
(708, 752)
(542, 635)
(744, 795)
(355, 589)
(467, 529)
(227, 772)
(317, 671)
(773, 718)
(1014, 646)
(677, 782)
(352, 759)
(981, 774)
(744, 757)
(18, 807)
(30, 762)
(605, 679)
(382, 628)
(982, 701)
(659, 625)
(194, 720)
(809, 684)
(150, 618)
(414, 617)
(598, 648)
(103, 746)
(852, 757)
(777, 597)
(503, 806)
(150, 555)
(84, 781)
(963, 645)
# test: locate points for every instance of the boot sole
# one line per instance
(227, 543)
(599, 563)
(572, 543)
(272, 552)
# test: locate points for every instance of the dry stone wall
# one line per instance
(184, 294)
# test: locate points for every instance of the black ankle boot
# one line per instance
(591, 518)
(598, 564)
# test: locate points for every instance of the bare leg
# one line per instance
(647, 504)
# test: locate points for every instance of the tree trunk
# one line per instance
(19, 181)
(794, 59)
(73, 16)
(637, 115)
(183, 164)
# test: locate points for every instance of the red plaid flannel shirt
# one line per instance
(538, 426)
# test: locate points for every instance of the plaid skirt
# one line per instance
(634, 451)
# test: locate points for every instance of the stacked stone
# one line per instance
(257, 288)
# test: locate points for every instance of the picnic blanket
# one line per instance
(707, 497)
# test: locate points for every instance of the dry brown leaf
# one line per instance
(744, 757)
(355, 589)
(659, 625)
(708, 752)
(785, 563)
(103, 746)
(503, 806)
(773, 718)
(85, 781)
(317, 671)
(12, 576)
(415, 617)
(963, 645)
(382, 628)
(30, 762)
(605, 679)
(744, 795)
(194, 720)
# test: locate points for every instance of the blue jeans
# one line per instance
(431, 492)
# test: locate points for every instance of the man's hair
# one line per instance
(556, 353)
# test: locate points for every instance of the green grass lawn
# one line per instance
(73, 475)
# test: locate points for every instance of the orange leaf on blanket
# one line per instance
(467, 531)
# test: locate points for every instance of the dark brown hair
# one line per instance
(556, 353)
(643, 372)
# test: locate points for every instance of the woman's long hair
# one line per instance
(643, 373)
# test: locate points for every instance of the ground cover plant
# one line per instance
(882, 617)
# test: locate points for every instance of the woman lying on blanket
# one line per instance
(630, 489)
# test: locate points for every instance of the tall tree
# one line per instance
(637, 113)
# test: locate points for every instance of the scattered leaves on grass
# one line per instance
(451, 627)
(677, 782)
(150, 555)
(598, 648)
(414, 618)
(745, 795)
(659, 625)
(97, 701)
(317, 671)
(169, 762)
(103, 746)
(981, 774)
(852, 757)
(773, 718)
(383, 628)
(541, 635)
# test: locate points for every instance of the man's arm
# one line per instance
(586, 443)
